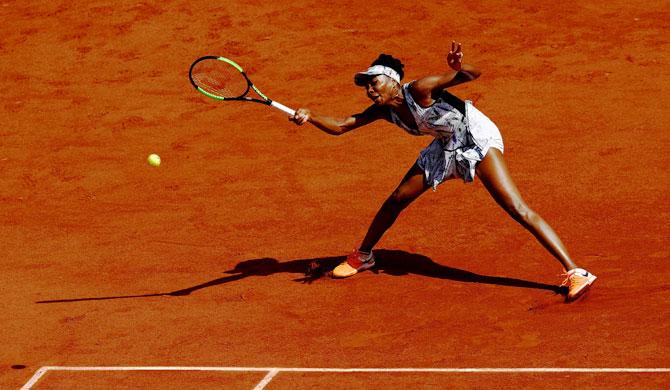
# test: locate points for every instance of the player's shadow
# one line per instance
(390, 262)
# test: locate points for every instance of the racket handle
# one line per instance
(282, 107)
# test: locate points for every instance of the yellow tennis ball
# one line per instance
(154, 160)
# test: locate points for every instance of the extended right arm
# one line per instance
(336, 126)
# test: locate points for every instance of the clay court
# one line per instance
(117, 275)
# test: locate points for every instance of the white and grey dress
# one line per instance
(463, 136)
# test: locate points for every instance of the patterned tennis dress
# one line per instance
(463, 136)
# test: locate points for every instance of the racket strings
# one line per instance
(219, 78)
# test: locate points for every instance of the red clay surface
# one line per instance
(93, 237)
(149, 380)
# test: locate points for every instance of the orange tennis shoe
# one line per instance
(356, 262)
(578, 281)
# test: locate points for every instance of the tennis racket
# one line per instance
(223, 79)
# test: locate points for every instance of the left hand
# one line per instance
(455, 56)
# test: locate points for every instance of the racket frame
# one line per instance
(250, 85)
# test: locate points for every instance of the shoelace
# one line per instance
(568, 276)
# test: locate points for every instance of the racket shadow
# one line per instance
(245, 269)
(389, 262)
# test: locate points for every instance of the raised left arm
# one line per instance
(426, 89)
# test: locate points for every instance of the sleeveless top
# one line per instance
(441, 119)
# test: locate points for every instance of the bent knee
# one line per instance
(399, 199)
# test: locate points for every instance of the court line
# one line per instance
(272, 371)
(261, 385)
(38, 374)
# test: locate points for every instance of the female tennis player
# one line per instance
(466, 143)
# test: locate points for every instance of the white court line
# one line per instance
(35, 378)
(261, 385)
(272, 371)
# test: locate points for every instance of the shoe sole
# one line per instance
(363, 267)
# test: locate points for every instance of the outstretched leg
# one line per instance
(493, 173)
(410, 188)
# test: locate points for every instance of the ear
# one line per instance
(396, 89)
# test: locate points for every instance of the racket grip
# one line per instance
(282, 107)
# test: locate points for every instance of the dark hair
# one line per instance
(391, 62)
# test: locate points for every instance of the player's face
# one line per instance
(379, 89)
